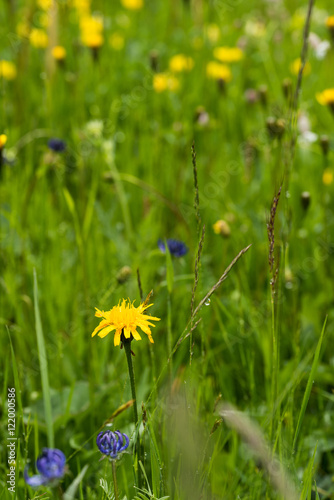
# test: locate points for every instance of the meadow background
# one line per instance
(87, 218)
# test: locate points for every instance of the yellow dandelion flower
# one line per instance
(92, 31)
(82, 6)
(228, 54)
(38, 38)
(91, 24)
(3, 140)
(92, 40)
(330, 22)
(295, 67)
(116, 41)
(326, 97)
(180, 62)
(7, 70)
(212, 32)
(221, 227)
(133, 4)
(125, 318)
(44, 4)
(327, 176)
(59, 53)
(164, 81)
(218, 71)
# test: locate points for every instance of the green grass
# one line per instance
(71, 222)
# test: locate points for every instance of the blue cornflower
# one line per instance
(51, 467)
(57, 145)
(175, 247)
(111, 443)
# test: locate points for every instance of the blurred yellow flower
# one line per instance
(91, 24)
(3, 140)
(38, 38)
(218, 71)
(44, 4)
(180, 62)
(92, 40)
(91, 31)
(327, 176)
(295, 67)
(7, 70)
(326, 97)
(164, 81)
(59, 53)
(228, 54)
(133, 4)
(125, 318)
(82, 6)
(212, 32)
(330, 22)
(116, 41)
(221, 227)
(297, 21)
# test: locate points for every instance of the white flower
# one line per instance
(320, 47)
(308, 137)
(304, 127)
(94, 128)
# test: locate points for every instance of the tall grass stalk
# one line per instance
(127, 348)
(170, 283)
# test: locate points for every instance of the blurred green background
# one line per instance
(88, 217)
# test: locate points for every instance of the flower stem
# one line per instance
(113, 464)
(169, 337)
(127, 348)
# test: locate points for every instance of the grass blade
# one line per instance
(43, 363)
(169, 270)
(71, 490)
(309, 385)
(16, 378)
(307, 479)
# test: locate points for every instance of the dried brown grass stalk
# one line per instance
(196, 200)
(186, 332)
(252, 435)
(219, 282)
(271, 237)
(140, 288)
(197, 262)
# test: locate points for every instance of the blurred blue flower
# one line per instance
(51, 467)
(111, 443)
(175, 247)
(57, 145)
